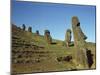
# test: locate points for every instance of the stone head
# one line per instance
(75, 20)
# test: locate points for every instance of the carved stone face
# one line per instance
(75, 20)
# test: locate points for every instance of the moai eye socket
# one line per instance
(75, 20)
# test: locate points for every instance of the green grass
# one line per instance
(48, 59)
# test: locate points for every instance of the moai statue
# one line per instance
(79, 37)
(23, 27)
(37, 35)
(37, 32)
(68, 37)
(30, 29)
(79, 43)
(48, 37)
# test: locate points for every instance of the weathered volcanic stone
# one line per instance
(30, 29)
(37, 32)
(48, 38)
(79, 37)
(68, 37)
(79, 42)
(23, 27)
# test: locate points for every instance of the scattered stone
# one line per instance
(66, 58)
(59, 59)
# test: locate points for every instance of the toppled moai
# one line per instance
(30, 29)
(23, 27)
(48, 37)
(68, 37)
(79, 43)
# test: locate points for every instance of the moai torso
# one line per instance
(79, 42)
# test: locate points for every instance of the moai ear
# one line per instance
(75, 20)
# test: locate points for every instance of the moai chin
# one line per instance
(68, 37)
(79, 43)
(48, 37)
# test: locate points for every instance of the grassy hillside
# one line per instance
(31, 53)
